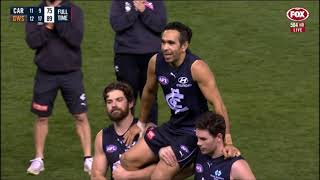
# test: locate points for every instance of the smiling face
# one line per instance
(171, 47)
(207, 143)
(117, 105)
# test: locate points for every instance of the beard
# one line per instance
(119, 114)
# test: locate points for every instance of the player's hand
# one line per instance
(230, 151)
(168, 156)
(139, 5)
(131, 133)
(119, 173)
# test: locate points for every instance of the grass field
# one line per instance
(268, 78)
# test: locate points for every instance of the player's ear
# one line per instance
(131, 104)
(185, 46)
(220, 137)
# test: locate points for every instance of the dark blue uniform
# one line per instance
(186, 102)
(113, 144)
(182, 94)
(218, 168)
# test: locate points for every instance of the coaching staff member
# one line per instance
(138, 25)
(58, 60)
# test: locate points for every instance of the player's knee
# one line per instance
(80, 117)
(42, 119)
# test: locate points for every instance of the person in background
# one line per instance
(58, 59)
(137, 25)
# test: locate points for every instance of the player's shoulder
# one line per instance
(99, 134)
(239, 165)
(240, 169)
(198, 63)
(199, 67)
(154, 57)
(153, 61)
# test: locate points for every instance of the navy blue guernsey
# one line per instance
(218, 168)
(181, 92)
(113, 144)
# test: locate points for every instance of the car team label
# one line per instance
(298, 16)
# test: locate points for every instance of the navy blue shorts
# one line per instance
(184, 145)
(46, 86)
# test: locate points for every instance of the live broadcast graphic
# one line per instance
(260, 57)
(45, 14)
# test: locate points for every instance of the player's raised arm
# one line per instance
(100, 163)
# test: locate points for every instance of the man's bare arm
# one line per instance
(100, 163)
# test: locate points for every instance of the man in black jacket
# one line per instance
(137, 25)
(58, 60)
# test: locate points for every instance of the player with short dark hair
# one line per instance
(185, 31)
(210, 162)
(187, 83)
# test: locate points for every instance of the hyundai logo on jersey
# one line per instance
(183, 80)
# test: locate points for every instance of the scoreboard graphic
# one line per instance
(46, 14)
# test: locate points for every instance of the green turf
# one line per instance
(268, 78)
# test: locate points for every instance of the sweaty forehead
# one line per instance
(172, 35)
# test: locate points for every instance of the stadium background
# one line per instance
(268, 78)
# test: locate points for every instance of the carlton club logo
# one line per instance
(298, 16)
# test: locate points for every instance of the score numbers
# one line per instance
(40, 14)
